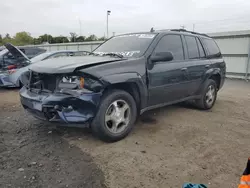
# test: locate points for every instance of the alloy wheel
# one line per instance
(117, 116)
(210, 95)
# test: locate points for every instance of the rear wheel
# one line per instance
(208, 95)
(115, 117)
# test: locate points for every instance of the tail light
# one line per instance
(10, 67)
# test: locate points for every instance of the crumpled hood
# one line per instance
(69, 64)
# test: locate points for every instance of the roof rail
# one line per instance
(192, 32)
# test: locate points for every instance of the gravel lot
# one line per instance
(168, 146)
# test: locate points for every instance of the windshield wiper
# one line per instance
(114, 54)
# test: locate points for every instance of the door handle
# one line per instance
(207, 66)
(184, 69)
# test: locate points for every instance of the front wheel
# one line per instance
(208, 95)
(115, 117)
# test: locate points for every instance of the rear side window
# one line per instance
(201, 50)
(193, 52)
(212, 47)
(171, 43)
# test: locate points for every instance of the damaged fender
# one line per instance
(130, 78)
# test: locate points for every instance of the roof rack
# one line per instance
(192, 32)
(180, 30)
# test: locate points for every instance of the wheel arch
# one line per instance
(130, 82)
(217, 78)
(214, 74)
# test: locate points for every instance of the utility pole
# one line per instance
(108, 13)
(193, 26)
(80, 23)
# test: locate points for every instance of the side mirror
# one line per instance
(162, 56)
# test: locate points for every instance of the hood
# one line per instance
(15, 51)
(69, 64)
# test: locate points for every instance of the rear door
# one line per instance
(197, 63)
(168, 80)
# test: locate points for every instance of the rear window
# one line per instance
(212, 47)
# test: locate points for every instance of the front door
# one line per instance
(167, 80)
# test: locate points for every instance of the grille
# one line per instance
(43, 81)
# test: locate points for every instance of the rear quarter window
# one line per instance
(213, 49)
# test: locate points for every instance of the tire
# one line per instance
(204, 103)
(102, 128)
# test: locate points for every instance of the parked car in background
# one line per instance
(31, 52)
(10, 77)
(10, 56)
(124, 77)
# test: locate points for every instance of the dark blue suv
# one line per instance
(125, 76)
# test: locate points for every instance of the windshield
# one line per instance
(129, 45)
(40, 57)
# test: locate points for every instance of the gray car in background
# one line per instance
(10, 77)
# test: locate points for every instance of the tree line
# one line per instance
(24, 38)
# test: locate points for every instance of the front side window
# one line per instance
(173, 44)
(129, 45)
(193, 52)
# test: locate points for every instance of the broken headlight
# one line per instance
(86, 84)
(71, 82)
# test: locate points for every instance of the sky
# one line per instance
(60, 17)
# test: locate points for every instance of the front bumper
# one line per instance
(67, 108)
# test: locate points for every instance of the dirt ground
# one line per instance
(167, 147)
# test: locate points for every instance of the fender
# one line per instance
(210, 72)
(129, 77)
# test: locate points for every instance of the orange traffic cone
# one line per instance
(245, 178)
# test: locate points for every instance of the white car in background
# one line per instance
(10, 75)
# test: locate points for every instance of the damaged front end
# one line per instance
(61, 97)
